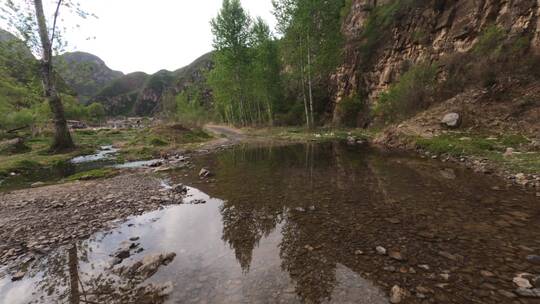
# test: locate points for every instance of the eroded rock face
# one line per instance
(424, 32)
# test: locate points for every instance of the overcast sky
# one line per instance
(144, 35)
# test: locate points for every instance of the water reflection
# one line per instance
(299, 224)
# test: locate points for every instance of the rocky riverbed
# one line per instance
(292, 223)
(35, 221)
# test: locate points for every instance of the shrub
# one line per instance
(490, 41)
(413, 92)
(158, 142)
(349, 110)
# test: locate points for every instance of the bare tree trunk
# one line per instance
(310, 86)
(62, 137)
(302, 72)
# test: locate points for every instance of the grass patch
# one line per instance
(297, 134)
(452, 145)
(461, 144)
(93, 174)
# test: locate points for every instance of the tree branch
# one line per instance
(54, 23)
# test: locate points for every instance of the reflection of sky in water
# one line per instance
(16, 293)
(205, 266)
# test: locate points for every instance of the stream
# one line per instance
(307, 223)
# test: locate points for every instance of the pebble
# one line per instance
(397, 294)
(534, 259)
(380, 250)
(487, 274)
(522, 282)
(396, 255)
(18, 276)
(528, 293)
(507, 294)
(204, 173)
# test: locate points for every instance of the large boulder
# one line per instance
(451, 120)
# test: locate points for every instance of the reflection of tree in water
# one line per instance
(307, 263)
(309, 169)
(243, 228)
(62, 281)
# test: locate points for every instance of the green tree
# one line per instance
(96, 112)
(231, 30)
(245, 80)
(266, 71)
(311, 46)
(29, 20)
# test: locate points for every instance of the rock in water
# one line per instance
(397, 294)
(451, 120)
(380, 250)
(179, 188)
(18, 276)
(150, 263)
(204, 173)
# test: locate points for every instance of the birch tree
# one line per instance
(312, 43)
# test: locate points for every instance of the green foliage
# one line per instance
(189, 109)
(514, 140)
(490, 41)
(93, 174)
(27, 165)
(158, 142)
(349, 109)
(245, 79)
(411, 93)
(96, 112)
(311, 49)
(449, 144)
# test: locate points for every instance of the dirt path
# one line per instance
(230, 133)
(227, 136)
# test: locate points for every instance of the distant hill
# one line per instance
(85, 73)
(88, 77)
(142, 95)
(119, 96)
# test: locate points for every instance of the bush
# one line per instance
(349, 110)
(158, 142)
(490, 41)
(413, 92)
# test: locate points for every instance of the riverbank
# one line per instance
(36, 163)
(512, 157)
(390, 218)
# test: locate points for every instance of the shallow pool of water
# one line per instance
(300, 224)
(104, 153)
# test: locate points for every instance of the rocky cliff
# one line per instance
(384, 38)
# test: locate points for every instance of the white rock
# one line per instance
(451, 120)
(397, 294)
(522, 282)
